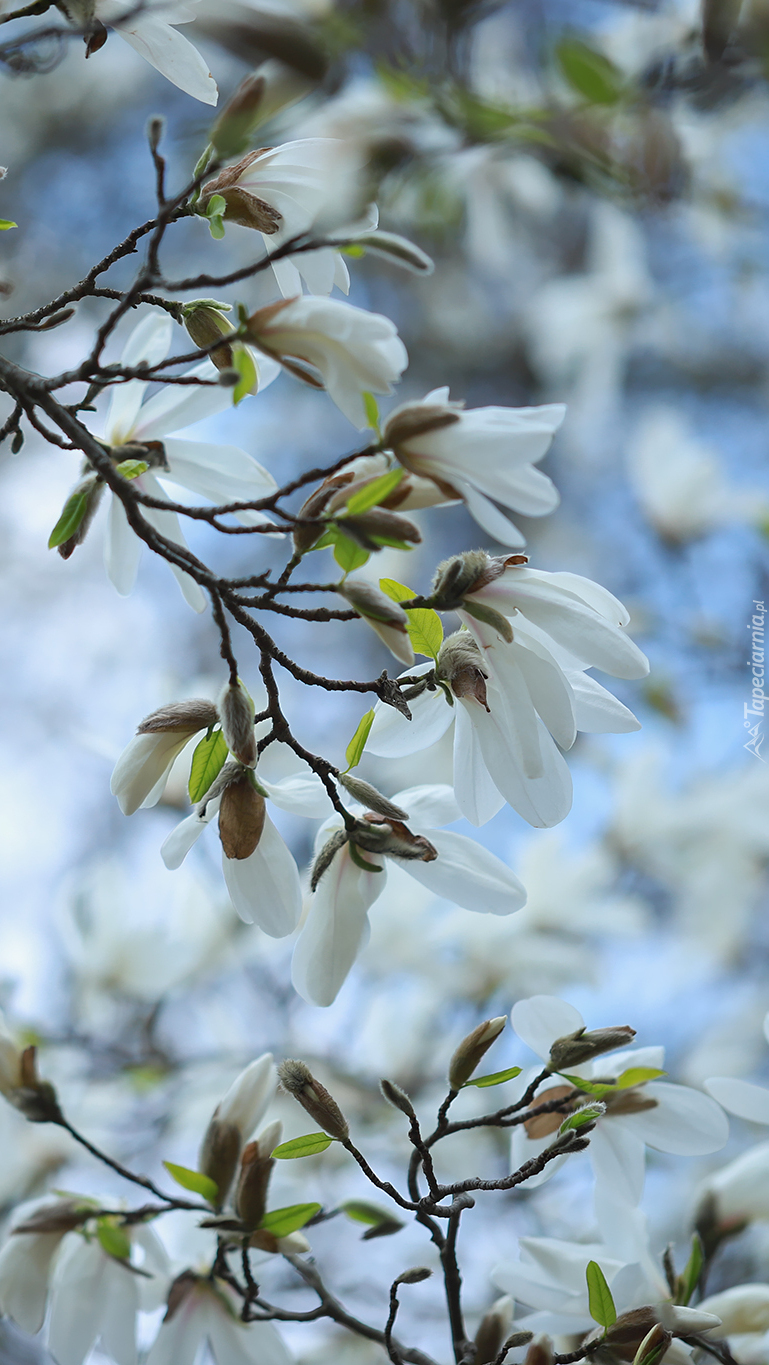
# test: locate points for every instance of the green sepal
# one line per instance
(371, 409)
(243, 362)
(489, 617)
(5, 224)
(690, 1277)
(131, 469)
(361, 862)
(113, 1239)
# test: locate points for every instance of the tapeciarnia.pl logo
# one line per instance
(753, 711)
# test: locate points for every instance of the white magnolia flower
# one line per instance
(742, 1309)
(739, 1192)
(353, 351)
(140, 775)
(150, 33)
(449, 864)
(201, 1313)
(264, 886)
(220, 472)
(96, 1298)
(483, 456)
(670, 1118)
(519, 702)
(26, 1263)
(743, 1098)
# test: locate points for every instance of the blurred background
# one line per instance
(592, 181)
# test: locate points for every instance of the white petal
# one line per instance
(236, 1344)
(122, 549)
(548, 688)
(123, 412)
(541, 1019)
(167, 523)
(172, 55)
(25, 1268)
(543, 801)
(143, 768)
(488, 516)
(430, 806)
(265, 887)
(221, 473)
(302, 793)
(742, 1098)
(178, 1340)
(119, 1305)
(333, 932)
(685, 1122)
(597, 711)
(467, 874)
(150, 340)
(393, 736)
(478, 798)
(618, 1158)
(78, 1300)
(177, 406)
(179, 842)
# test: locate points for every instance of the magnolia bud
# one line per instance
(376, 835)
(653, 1347)
(377, 527)
(304, 537)
(460, 664)
(56, 319)
(470, 1052)
(493, 1330)
(35, 1099)
(580, 1046)
(180, 716)
(326, 857)
(459, 575)
(369, 796)
(180, 1290)
(251, 1195)
(386, 617)
(236, 712)
(237, 120)
(415, 1276)
(299, 1081)
(219, 1155)
(91, 487)
(398, 1098)
(206, 324)
(233, 1121)
(241, 818)
(242, 206)
(540, 1352)
(629, 1330)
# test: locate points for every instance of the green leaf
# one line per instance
(5, 224)
(425, 626)
(601, 1303)
(243, 362)
(72, 514)
(494, 1077)
(347, 554)
(589, 72)
(354, 750)
(208, 760)
(688, 1281)
(280, 1222)
(636, 1075)
(114, 1239)
(374, 493)
(356, 251)
(193, 1180)
(360, 1211)
(131, 469)
(580, 1117)
(596, 1088)
(216, 228)
(309, 1145)
(371, 409)
(215, 211)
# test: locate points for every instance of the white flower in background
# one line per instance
(484, 456)
(743, 1098)
(670, 1118)
(284, 192)
(150, 33)
(203, 1313)
(353, 351)
(451, 865)
(222, 473)
(234, 1120)
(742, 1309)
(519, 701)
(679, 481)
(739, 1192)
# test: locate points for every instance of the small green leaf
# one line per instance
(600, 1301)
(193, 1180)
(243, 362)
(216, 228)
(360, 1211)
(131, 469)
(308, 1145)
(595, 1088)
(347, 554)
(5, 224)
(636, 1075)
(688, 1281)
(374, 492)
(425, 626)
(352, 249)
(494, 1077)
(208, 760)
(280, 1222)
(371, 409)
(590, 73)
(354, 750)
(215, 211)
(587, 1114)
(72, 514)
(114, 1239)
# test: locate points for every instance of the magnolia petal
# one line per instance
(596, 596)
(233, 1343)
(393, 736)
(430, 806)
(179, 1338)
(167, 523)
(149, 341)
(122, 549)
(488, 517)
(478, 798)
(541, 1019)
(467, 874)
(143, 767)
(177, 406)
(548, 688)
(119, 1305)
(685, 1122)
(543, 800)
(221, 473)
(179, 842)
(302, 793)
(597, 712)
(265, 888)
(524, 1148)
(79, 1295)
(25, 1268)
(172, 55)
(742, 1098)
(618, 1158)
(334, 930)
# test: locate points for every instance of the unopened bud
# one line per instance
(242, 206)
(313, 507)
(236, 712)
(471, 1050)
(241, 817)
(56, 319)
(378, 527)
(299, 1081)
(62, 1216)
(386, 617)
(219, 1154)
(180, 1290)
(517, 1339)
(326, 857)
(155, 129)
(92, 487)
(34, 1098)
(237, 120)
(206, 324)
(540, 1352)
(369, 797)
(398, 1098)
(459, 575)
(492, 1331)
(377, 835)
(460, 664)
(251, 1195)
(629, 1330)
(96, 38)
(415, 1276)
(653, 1347)
(580, 1046)
(179, 716)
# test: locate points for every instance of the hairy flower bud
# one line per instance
(459, 575)
(460, 664)
(299, 1081)
(472, 1049)
(326, 856)
(377, 835)
(243, 206)
(236, 712)
(493, 1330)
(398, 1098)
(540, 1352)
(206, 324)
(233, 1121)
(414, 1276)
(386, 617)
(580, 1046)
(304, 537)
(377, 527)
(369, 796)
(253, 1182)
(219, 1155)
(62, 1216)
(241, 817)
(21, 1085)
(180, 716)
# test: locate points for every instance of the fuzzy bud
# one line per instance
(540, 1352)
(369, 797)
(377, 527)
(460, 664)
(581, 1046)
(415, 1276)
(178, 717)
(34, 1098)
(206, 324)
(493, 1330)
(326, 857)
(219, 1154)
(376, 835)
(398, 1098)
(472, 1049)
(241, 817)
(236, 713)
(56, 319)
(299, 1081)
(62, 1216)
(459, 575)
(386, 617)
(304, 537)
(253, 1183)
